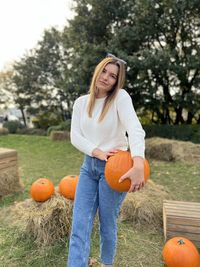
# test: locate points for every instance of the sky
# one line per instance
(22, 23)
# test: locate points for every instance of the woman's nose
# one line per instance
(105, 76)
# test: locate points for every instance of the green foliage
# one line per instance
(13, 126)
(179, 132)
(47, 119)
(63, 126)
(158, 39)
(32, 131)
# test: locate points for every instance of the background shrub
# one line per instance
(32, 131)
(45, 120)
(178, 132)
(63, 126)
(13, 126)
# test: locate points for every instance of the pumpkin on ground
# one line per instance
(117, 165)
(67, 186)
(180, 252)
(42, 189)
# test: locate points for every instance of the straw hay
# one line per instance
(9, 174)
(45, 222)
(9, 181)
(172, 150)
(4, 131)
(59, 135)
(144, 208)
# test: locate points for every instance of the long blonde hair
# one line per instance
(112, 93)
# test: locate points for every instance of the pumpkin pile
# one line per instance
(117, 165)
(180, 252)
(43, 189)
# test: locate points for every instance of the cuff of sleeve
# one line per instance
(138, 153)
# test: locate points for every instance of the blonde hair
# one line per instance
(112, 93)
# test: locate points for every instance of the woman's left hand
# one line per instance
(135, 174)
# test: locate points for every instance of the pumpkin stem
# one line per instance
(181, 242)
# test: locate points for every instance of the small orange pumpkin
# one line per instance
(117, 165)
(180, 252)
(67, 186)
(42, 189)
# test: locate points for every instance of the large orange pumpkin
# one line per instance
(117, 165)
(180, 252)
(67, 186)
(42, 189)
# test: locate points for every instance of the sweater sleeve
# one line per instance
(76, 136)
(132, 125)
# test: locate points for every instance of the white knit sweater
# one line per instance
(88, 134)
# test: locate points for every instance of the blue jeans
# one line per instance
(94, 193)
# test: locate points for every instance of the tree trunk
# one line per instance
(179, 117)
(189, 117)
(23, 116)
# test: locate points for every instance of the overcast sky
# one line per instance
(22, 23)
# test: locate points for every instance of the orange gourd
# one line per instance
(117, 165)
(42, 189)
(67, 186)
(180, 252)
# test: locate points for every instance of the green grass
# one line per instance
(40, 157)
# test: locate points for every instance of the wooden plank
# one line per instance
(190, 236)
(5, 152)
(181, 213)
(183, 228)
(9, 165)
(176, 207)
(4, 160)
(182, 207)
(174, 202)
(179, 220)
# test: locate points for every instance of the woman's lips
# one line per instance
(103, 83)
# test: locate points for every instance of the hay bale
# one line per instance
(4, 131)
(47, 221)
(144, 208)
(172, 150)
(59, 135)
(9, 174)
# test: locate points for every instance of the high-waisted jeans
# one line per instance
(94, 193)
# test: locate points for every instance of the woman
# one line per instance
(100, 121)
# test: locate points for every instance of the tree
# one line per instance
(164, 61)
(5, 95)
(158, 39)
(38, 77)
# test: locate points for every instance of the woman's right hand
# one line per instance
(103, 155)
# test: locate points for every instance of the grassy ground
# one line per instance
(40, 157)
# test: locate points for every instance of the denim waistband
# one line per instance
(94, 165)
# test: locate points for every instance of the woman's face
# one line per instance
(107, 79)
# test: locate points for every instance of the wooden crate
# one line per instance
(9, 175)
(182, 219)
(8, 158)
